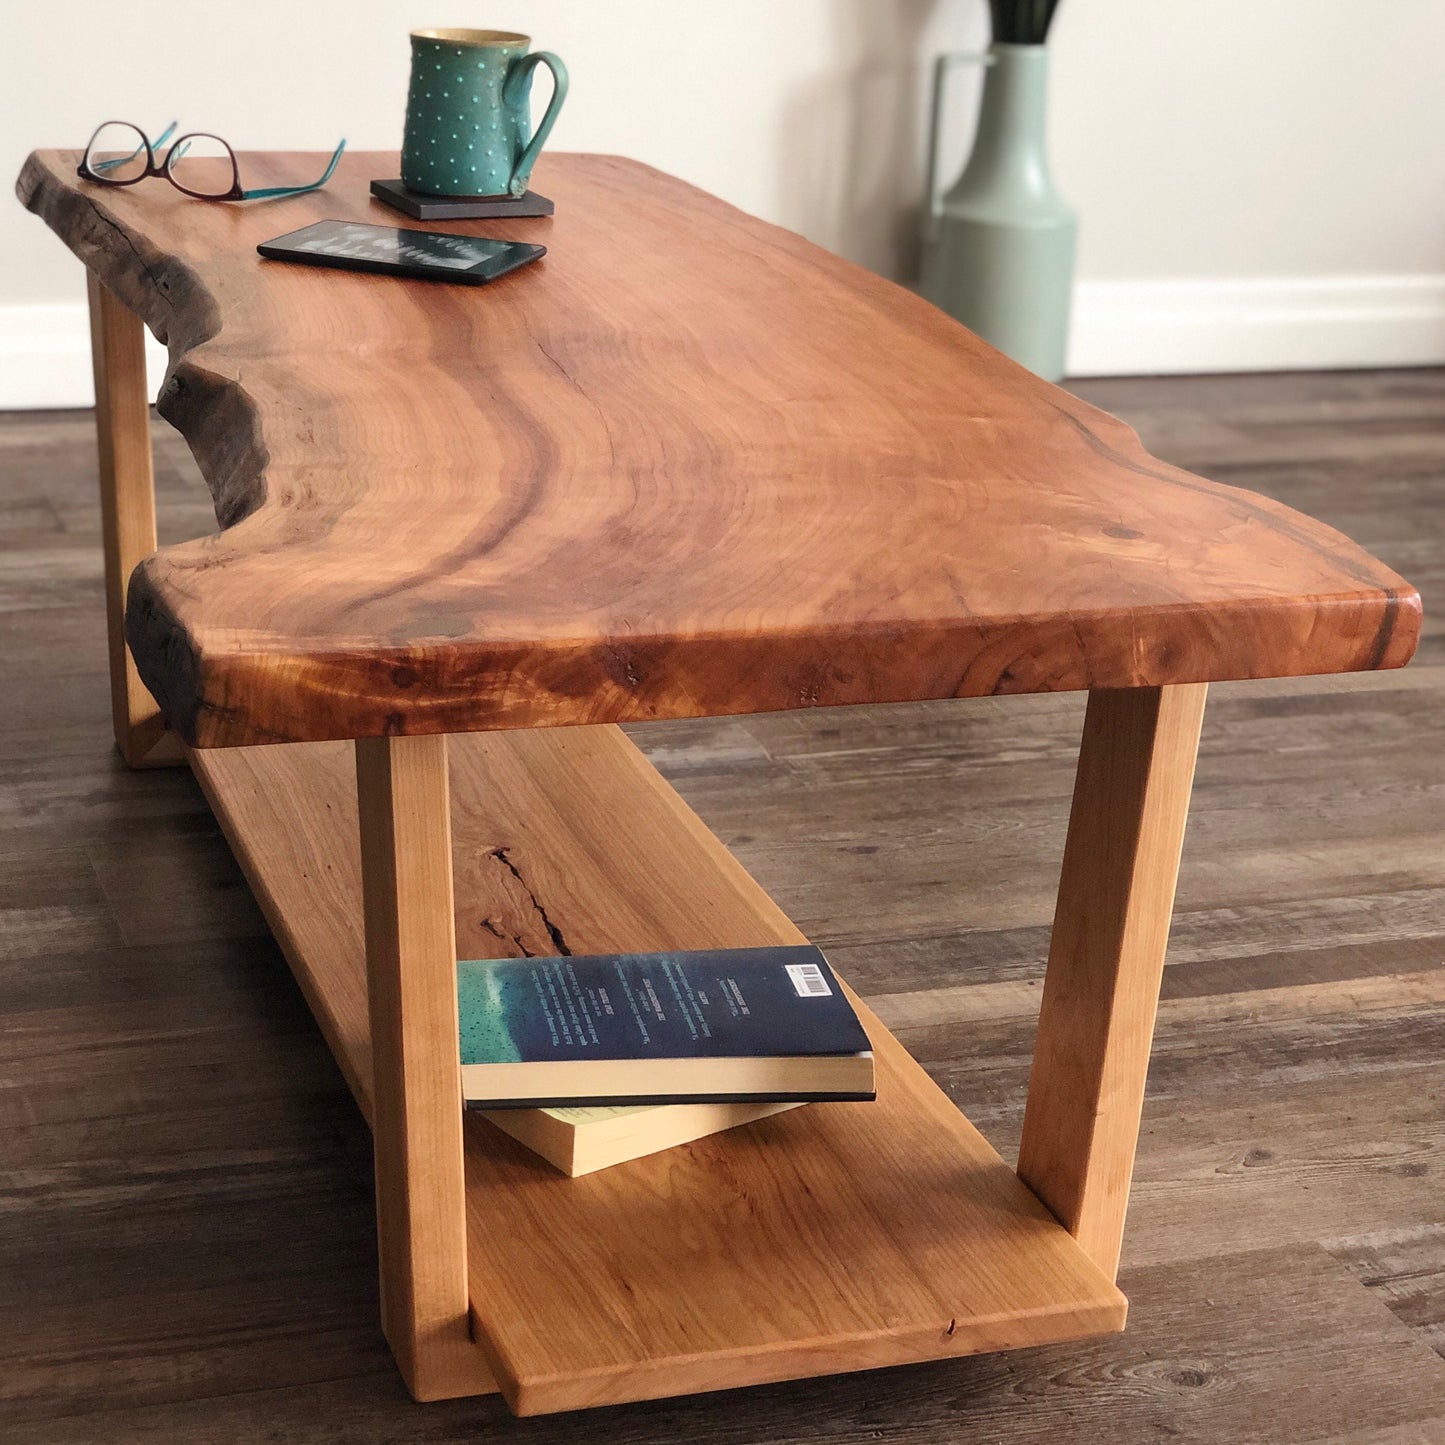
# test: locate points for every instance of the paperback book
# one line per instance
(727, 1026)
(581, 1141)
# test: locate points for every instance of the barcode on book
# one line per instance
(808, 980)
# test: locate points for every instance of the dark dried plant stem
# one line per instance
(1022, 22)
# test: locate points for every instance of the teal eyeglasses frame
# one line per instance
(89, 170)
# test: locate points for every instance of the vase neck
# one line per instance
(1010, 142)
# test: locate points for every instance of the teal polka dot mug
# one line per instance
(469, 112)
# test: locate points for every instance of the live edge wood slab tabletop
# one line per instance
(689, 464)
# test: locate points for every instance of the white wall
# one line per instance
(1262, 181)
(1261, 184)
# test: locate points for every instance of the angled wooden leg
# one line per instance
(128, 515)
(411, 969)
(1106, 959)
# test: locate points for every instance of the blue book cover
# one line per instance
(659, 1027)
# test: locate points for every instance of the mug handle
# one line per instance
(520, 77)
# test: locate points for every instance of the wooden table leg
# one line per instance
(1106, 959)
(128, 515)
(411, 968)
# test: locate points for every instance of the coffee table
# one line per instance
(689, 465)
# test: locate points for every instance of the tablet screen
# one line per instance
(351, 240)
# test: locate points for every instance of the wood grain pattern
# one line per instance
(187, 1225)
(831, 1238)
(128, 514)
(1106, 958)
(416, 1117)
(688, 465)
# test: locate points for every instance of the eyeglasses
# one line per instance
(201, 165)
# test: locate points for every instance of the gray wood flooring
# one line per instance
(185, 1196)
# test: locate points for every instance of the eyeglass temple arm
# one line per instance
(160, 140)
(272, 191)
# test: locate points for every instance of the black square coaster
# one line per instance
(459, 208)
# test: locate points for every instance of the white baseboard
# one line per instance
(1129, 328)
(1121, 328)
(45, 357)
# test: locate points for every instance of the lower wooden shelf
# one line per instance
(836, 1237)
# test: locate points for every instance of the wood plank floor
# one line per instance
(185, 1195)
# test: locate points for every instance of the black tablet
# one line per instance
(423, 255)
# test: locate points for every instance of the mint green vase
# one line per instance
(1000, 248)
